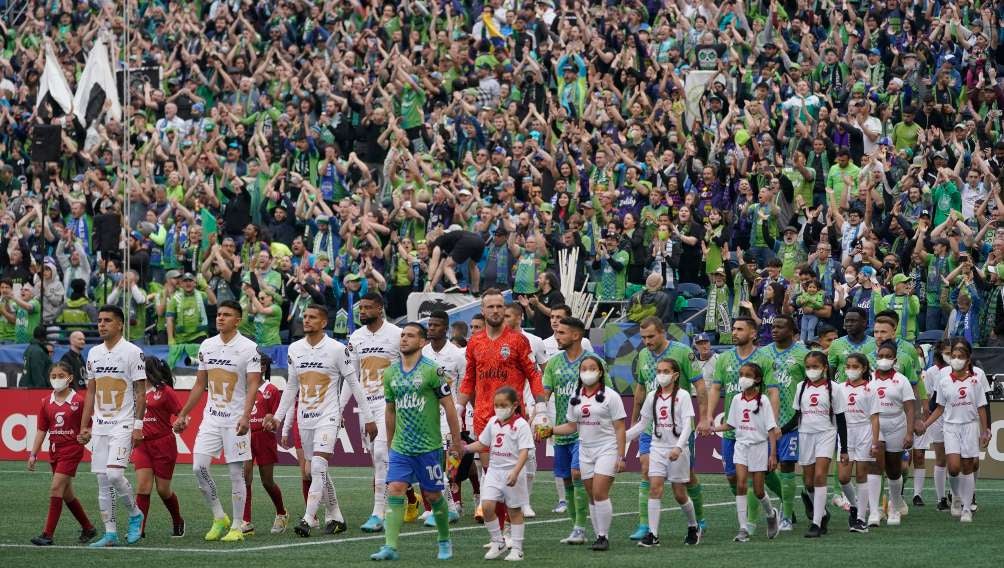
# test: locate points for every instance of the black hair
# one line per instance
(672, 400)
(574, 323)
(63, 366)
(513, 397)
(479, 315)
(266, 365)
(964, 344)
(856, 310)
(157, 372)
(233, 305)
(576, 398)
(819, 355)
(562, 307)
(787, 318)
(319, 307)
(936, 350)
(758, 375)
(114, 310)
(422, 332)
(39, 333)
(440, 315)
(863, 361)
(373, 297)
(887, 345)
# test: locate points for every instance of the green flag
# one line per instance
(209, 229)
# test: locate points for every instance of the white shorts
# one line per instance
(212, 439)
(936, 433)
(659, 465)
(111, 450)
(318, 440)
(597, 461)
(922, 442)
(381, 438)
(494, 488)
(752, 455)
(892, 434)
(812, 445)
(962, 439)
(859, 442)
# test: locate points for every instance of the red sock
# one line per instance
(247, 505)
(52, 519)
(78, 513)
(426, 505)
(174, 508)
(475, 484)
(455, 493)
(305, 483)
(411, 495)
(502, 513)
(276, 495)
(143, 502)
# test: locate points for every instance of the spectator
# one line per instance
(74, 357)
(75, 264)
(651, 301)
(187, 322)
(79, 308)
(53, 293)
(23, 310)
(36, 362)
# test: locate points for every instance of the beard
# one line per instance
(366, 320)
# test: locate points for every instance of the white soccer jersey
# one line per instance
(752, 418)
(537, 352)
(373, 352)
(113, 372)
(595, 419)
(892, 394)
(451, 358)
(814, 402)
(551, 347)
(961, 398)
(667, 413)
(505, 440)
(862, 403)
(317, 375)
(979, 375)
(227, 366)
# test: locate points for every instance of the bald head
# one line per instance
(77, 341)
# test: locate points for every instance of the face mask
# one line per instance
(665, 379)
(503, 413)
(59, 385)
(850, 278)
(957, 364)
(946, 356)
(884, 364)
(746, 382)
(813, 374)
(589, 378)
(853, 374)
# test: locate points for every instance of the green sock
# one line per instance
(752, 506)
(773, 482)
(696, 494)
(441, 512)
(581, 503)
(643, 503)
(788, 493)
(732, 487)
(393, 519)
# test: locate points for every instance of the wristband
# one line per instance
(137, 424)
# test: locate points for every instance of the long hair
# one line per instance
(866, 374)
(822, 358)
(672, 401)
(964, 344)
(758, 375)
(157, 372)
(510, 393)
(576, 399)
(936, 350)
(266, 366)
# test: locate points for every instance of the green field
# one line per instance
(926, 537)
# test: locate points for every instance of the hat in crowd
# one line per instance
(874, 51)
(868, 271)
(924, 213)
(702, 337)
(187, 276)
(720, 271)
(940, 154)
(588, 204)
(899, 279)
(960, 125)
(173, 274)
(547, 208)
(353, 276)
(790, 229)
(464, 191)
(858, 87)
(453, 227)
(501, 231)
(322, 219)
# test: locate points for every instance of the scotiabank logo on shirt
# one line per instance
(962, 392)
(881, 392)
(585, 410)
(746, 415)
(851, 397)
(814, 399)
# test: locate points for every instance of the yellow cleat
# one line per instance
(235, 535)
(220, 527)
(411, 509)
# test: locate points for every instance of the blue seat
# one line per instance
(691, 290)
(697, 303)
(930, 336)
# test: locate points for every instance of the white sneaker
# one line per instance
(508, 540)
(956, 507)
(966, 517)
(577, 536)
(903, 508)
(425, 515)
(786, 525)
(495, 550)
(280, 524)
(874, 519)
(515, 555)
(893, 518)
(840, 501)
(561, 508)
(528, 511)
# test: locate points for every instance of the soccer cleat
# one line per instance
(247, 527)
(972, 506)
(335, 527)
(943, 504)
(823, 526)
(858, 526)
(302, 528)
(807, 502)
(786, 525)
(178, 530)
(562, 507)
(840, 501)
(893, 519)
(235, 535)
(742, 536)
(495, 549)
(430, 521)
(852, 517)
(86, 535)
(814, 531)
(966, 517)
(650, 541)
(772, 524)
(279, 524)
(515, 555)
(956, 506)
(693, 536)
(454, 517)
(918, 501)
(639, 532)
(106, 540)
(135, 528)
(411, 509)
(374, 524)
(219, 528)
(445, 550)
(874, 519)
(601, 544)
(577, 536)
(528, 512)
(425, 516)
(479, 515)
(42, 540)
(385, 553)
(702, 525)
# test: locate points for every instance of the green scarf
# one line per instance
(717, 317)
(741, 292)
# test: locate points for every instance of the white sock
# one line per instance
(849, 493)
(106, 504)
(333, 511)
(238, 493)
(516, 533)
(654, 510)
(896, 491)
(940, 473)
(918, 480)
(559, 487)
(318, 471)
(967, 485)
(451, 506)
(494, 531)
(688, 510)
(379, 481)
(863, 495)
(207, 485)
(592, 518)
(741, 511)
(604, 515)
(874, 493)
(818, 505)
(123, 490)
(765, 504)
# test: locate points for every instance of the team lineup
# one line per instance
(434, 415)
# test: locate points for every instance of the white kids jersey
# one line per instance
(505, 440)
(668, 412)
(113, 372)
(815, 402)
(752, 418)
(227, 366)
(979, 375)
(862, 402)
(373, 353)
(318, 373)
(961, 398)
(892, 394)
(551, 347)
(595, 419)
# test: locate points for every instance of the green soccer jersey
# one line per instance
(189, 313)
(842, 347)
(26, 321)
(561, 377)
(727, 376)
(266, 327)
(684, 357)
(787, 370)
(415, 395)
(7, 333)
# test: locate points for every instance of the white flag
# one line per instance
(97, 84)
(53, 82)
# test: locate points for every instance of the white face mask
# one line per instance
(853, 374)
(59, 385)
(746, 382)
(946, 356)
(503, 412)
(589, 378)
(957, 364)
(884, 364)
(813, 374)
(850, 278)
(665, 379)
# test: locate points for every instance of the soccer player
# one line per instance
(116, 398)
(318, 368)
(374, 347)
(264, 452)
(60, 419)
(657, 348)
(155, 458)
(415, 388)
(856, 341)
(551, 347)
(230, 368)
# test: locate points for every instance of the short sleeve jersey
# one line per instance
(61, 419)
(161, 405)
(415, 395)
(492, 363)
(664, 414)
(892, 392)
(752, 418)
(727, 376)
(505, 440)
(787, 369)
(814, 401)
(862, 403)
(113, 372)
(227, 366)
(962, 396)
(648, 361)
(374, 352)
(595, 419)
(561, 377)
(266, 401)
(319, 372)
(842, 347)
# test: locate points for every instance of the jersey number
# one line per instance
(434, 471)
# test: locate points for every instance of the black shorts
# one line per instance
(468, 248)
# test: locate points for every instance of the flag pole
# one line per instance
(125, 161)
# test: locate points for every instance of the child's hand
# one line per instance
(844, 459)
(32, 458)
(674, 454)
(772, 462)
(512, 478)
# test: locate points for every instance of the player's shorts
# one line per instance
(597, 461)
(936, 433)
(752, 455)
(659, 465)
(566, 458)
(728, 451)
(159, 454)
(922, 442)
(787, 447)
(494, 488)
(425, 469)
(892, 434)
(264, 448)
(962, 439)
(644, 444)
(859, 442)
(64, 459)
(468, 249)
(211, 440)
(111, 450)
(318, 441)
(812, 445)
